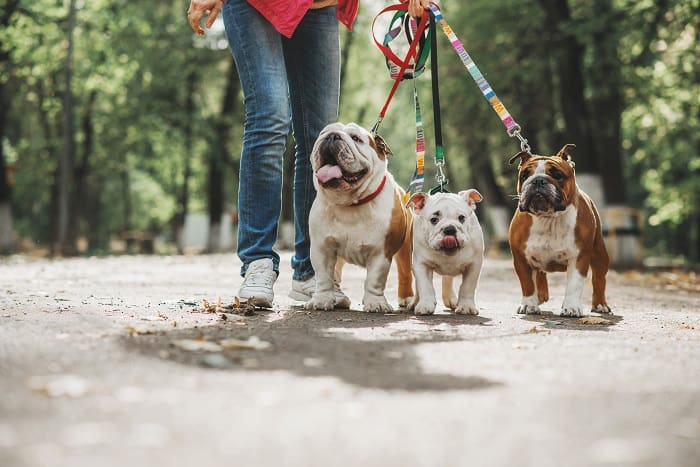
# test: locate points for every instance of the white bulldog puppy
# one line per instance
(358, 217)
(447, 240)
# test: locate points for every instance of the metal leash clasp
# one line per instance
(441, 179)
(524, 145)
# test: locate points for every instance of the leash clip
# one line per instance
(524, 145)
(375, 128)
(441, 179)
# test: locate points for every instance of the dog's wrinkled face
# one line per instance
(445, 220)
(344, 155)
(546, 185)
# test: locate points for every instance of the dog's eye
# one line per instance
(434, 220)
(556, 175)
(356, 138)
(524, 175)
(462, 219)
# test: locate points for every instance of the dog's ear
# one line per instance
(564, 152)
(380, 146)
(417, 201)
(523, 155)
(472, 197)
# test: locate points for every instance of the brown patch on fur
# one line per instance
(398, 243)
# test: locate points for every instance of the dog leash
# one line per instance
(398, 70)
(403, 64)
(512, 127)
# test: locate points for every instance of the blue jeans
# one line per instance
(284, 80)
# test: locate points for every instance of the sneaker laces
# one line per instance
(260, 274)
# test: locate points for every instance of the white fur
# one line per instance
(552, 240)
(357, 233)
(428, 258)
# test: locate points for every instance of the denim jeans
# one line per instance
(284, 81)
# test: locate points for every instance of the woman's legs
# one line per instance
(257, 50)
(312, 58)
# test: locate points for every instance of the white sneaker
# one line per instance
(303, 290)
(257, 284)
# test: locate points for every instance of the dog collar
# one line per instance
(371, 196)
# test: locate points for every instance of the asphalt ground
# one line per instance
(112, 362)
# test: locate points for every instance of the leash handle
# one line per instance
(404, 63)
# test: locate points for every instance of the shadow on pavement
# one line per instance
(363, 349)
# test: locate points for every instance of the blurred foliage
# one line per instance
(138, 58)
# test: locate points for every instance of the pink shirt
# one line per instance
(285, 15)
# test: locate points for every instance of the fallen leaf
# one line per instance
(253, 342)
(140, 332)
(194, 345)
(593, 320)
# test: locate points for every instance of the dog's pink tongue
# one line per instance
(449, 242)
(328, 172)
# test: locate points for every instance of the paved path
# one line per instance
(93, 373)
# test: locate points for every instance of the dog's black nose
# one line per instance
(333, 137)
(449, 230)
(539, 182)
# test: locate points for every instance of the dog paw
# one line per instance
(602, 308)
(324, 301)
(573, 311)
(406, 302)
(529, 310)
(468, 308)
(377, 305)
(423, 308)
(452, 304)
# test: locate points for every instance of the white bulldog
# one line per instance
(447, 239)
(358, 217)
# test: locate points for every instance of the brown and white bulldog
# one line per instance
(358, 216)
(556, 228)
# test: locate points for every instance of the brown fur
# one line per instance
(398, 243)
(588, 234)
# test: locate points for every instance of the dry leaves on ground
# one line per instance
(667, 280)
(237, 307)
(594, 320)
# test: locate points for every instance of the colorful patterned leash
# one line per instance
(416, 184)
(512, 127)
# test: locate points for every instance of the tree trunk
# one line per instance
(66, 245)
(607, 103)
(495, 212)
(184, 194)
(568, 66)
(219, 155)
(88, 195)
(7, 240)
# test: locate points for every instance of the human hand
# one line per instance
(416, 7)
(197, 10)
